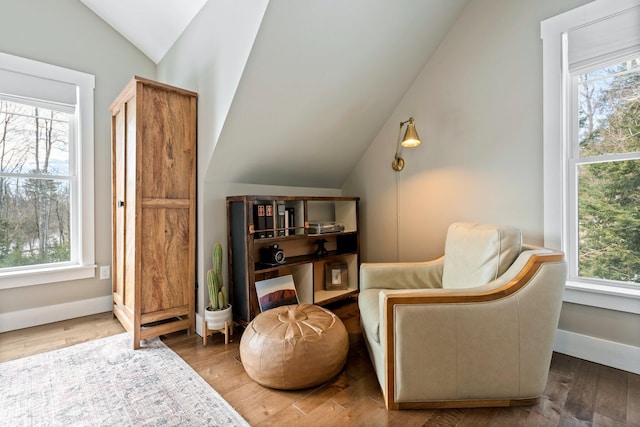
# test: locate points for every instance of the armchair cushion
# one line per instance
(476, 254)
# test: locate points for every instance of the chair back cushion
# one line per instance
(476, 254)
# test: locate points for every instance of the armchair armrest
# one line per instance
(402, 275)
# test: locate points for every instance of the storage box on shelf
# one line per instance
(256, 223)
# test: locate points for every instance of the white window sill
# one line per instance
(609, 297)
(16, 279)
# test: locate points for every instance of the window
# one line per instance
(604, 174)
(591, 153)
(46, 178)
(35, 184)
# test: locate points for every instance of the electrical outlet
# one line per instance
(105, 272)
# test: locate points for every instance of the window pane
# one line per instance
(609, 110)
(609, 220)
(33, 140)
(34, 221)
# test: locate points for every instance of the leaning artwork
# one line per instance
(276, 292)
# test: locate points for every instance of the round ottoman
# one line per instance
(294, 346)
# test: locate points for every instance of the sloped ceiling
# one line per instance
(150, 25)
(321, 80)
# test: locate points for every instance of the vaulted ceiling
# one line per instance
(150, 25)
(321, 80)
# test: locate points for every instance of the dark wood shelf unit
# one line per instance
(245, 244)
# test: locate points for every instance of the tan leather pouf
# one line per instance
(294, 346)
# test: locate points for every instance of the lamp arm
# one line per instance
(398, 143)
(398, 163)
(406, 121)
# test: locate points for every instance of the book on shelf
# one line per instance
(281, 219)
(259, 221)
(268, 215)
(290, 221)
(286, 223)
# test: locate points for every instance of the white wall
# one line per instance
(68, 34)
(478, 110)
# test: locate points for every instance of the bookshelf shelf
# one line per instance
(250, 236)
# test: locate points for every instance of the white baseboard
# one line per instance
(54, 313)
(609, 353)
(20, 319)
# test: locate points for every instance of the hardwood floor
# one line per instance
(29, 341)
(578, 393)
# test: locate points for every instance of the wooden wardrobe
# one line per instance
(154, 189)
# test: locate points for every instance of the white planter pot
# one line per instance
(216, 318)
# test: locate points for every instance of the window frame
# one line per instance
(558, 100)
(574, 160)
(82, 264)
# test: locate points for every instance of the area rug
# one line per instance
(107, 383)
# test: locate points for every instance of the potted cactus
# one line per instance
(219, 310)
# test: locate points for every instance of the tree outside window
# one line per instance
(607, 168)
(35, 183)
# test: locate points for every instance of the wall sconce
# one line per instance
(410, 140)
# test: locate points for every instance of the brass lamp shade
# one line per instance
(410, 140)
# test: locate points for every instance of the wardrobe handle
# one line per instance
(120, 203)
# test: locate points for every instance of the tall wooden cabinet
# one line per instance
(295, 227)
(153, 186)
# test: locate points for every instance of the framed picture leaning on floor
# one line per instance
(276, 292)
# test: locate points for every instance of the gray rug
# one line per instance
(106, 383)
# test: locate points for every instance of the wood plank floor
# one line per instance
(578, 393)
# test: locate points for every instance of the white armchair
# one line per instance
(474, 327)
